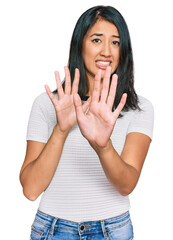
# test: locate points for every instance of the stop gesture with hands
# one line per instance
(64, 106)
(97, 125)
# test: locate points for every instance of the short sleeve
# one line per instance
(143, 121)
(37, 129)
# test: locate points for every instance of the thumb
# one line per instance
(86, 104)
(78, 107)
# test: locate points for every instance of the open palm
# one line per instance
(64, 106)
(97, 125)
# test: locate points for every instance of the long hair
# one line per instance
(125, 67)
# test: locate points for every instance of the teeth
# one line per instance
(103, 63)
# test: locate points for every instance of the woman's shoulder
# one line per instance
(142, 120)
(143, 100)
(144, 103)
(145, 109)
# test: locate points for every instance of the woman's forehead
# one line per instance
(103, 26)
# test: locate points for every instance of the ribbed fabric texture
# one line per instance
(80, 190)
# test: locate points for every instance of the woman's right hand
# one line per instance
(64, 106)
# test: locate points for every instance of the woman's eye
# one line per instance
(96, 40)
(116, 43)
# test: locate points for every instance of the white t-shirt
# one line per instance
(80, 190)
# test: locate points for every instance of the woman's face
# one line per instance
(100, 49)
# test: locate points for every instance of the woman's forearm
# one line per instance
(37, 175)
(123, 176)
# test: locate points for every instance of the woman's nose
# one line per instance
(106, 51)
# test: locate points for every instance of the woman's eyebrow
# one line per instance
(100, 34)
(115, 36)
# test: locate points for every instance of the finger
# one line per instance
(78, 107)
(76, 81)
(59, 85)
(96, 89)
(120, 106)
(86, 104)
(67, 81)
(51, 96)
(105, 87)
(112, 91)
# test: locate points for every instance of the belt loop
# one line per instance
(103, 229)
(51, 232)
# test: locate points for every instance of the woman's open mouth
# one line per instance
(103, 64)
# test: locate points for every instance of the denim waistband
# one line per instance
(84, 227)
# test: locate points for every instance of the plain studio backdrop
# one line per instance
(34, 42)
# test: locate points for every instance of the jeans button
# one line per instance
(82, 227)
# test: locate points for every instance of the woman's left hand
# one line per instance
(98, 123)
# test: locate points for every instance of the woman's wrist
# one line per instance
(102, 150)
(60, 132)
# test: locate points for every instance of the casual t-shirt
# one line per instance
(79, 190)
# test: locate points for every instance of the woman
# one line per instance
(87, 156)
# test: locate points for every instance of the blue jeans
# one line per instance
(46, 227)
